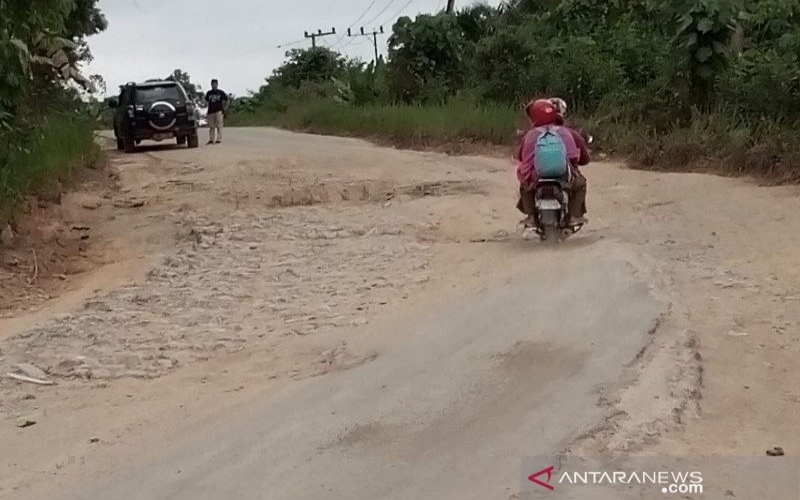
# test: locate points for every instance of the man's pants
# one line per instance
(215, 125)
(577, 198)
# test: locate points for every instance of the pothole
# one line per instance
(442, 188)
(368, 192)
(333, 192)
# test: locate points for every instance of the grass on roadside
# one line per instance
(64, 143)
(403, 125)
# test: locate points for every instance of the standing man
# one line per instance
(216, 99)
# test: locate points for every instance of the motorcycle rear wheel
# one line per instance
(551, 234)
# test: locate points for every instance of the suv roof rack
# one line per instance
(155, 82)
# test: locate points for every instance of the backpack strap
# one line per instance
(549, 130)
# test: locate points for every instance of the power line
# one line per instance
(379, 14)
(397, 14)
(342, 36)
(289, 44)
(363, 14)
(390, 18)
(360, 43)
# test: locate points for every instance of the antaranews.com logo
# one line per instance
(668, 482)
(626, 477)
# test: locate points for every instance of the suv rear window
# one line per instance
(158, 93)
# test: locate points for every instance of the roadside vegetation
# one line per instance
(710, 85)
(46, 130)
(405, 125)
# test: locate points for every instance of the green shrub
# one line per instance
(64, 142)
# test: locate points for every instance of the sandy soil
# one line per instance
(238, 284)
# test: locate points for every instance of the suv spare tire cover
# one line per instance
(161, 115)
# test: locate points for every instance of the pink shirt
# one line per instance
(525, 171)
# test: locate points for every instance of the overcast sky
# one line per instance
(235, 41)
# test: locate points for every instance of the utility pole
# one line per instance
(451, 5)
(374, 36)
(318, 34)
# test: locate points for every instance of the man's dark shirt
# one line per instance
(216, 100)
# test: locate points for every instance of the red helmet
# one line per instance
(542, 112)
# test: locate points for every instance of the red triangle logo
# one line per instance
(544, 484)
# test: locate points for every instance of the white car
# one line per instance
(201, 117)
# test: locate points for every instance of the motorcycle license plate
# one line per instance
(162, 137)
(547, 204)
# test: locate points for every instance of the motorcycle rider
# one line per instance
(542, 113)
(581, 139)
(561, 107)
(582, 142)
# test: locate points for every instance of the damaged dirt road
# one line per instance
(290, 317)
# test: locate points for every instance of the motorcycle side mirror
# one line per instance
(586, 136)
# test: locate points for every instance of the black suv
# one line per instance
(154, 110)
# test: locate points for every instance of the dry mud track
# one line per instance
(289, 316)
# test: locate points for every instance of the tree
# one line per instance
(704, 33)
(85, 19)
(317, 64)
(29, 82)
(502, 66)
(100, 83)
(362, 84)
(195, 92)
(477, 21)
(427, 58)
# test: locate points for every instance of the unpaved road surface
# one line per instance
(289, 317)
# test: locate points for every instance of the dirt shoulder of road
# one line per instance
(52, 242)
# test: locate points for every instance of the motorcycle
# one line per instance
(552, 207)
(551, 198)
(552, 211)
